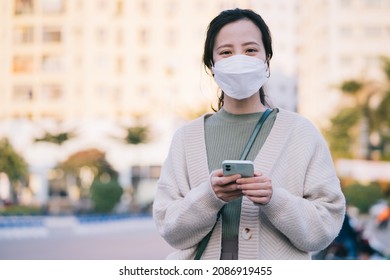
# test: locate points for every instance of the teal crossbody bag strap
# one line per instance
(203, 243)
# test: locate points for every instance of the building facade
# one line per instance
(339, 40)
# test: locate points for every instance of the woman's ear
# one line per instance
(268, 61)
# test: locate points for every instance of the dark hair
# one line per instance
(229, 16)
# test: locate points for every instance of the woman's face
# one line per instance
(239, 37)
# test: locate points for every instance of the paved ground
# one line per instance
(136, 238)
(129, 239)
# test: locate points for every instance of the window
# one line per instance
(102, 63)
(171, 67)
(103, 91)
(23, 64)
(51, 63)
(119, 65)
(119, 37)
(51, 34)
(346, 61)
(346, 31)
(102, 5)
(24, 7)
(373, 31)
(51, 92)
(52, 6)
(118, 94)
(22, 93)
(345, 3)
(79, 5)
(373, 3)
(144, 35)
(23, 34)
(171, 8)
(78, 33)
(119, 7)
(143, 91)
(101, 35)
(144, 65)
(144, 6)
(171, 36)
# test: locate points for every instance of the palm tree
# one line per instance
(355, 127)
(381, 116)
(49, 147)
(362, 92)
(58, 138)
(138, 134)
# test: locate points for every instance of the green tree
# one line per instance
(12, 164)
(363, 196)
(381, 116)
(92, 160)
(354, 127)
(341, 132)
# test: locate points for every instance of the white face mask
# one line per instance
(240, 76)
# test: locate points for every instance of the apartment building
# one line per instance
(339, 40)
(110, 59)
(98, 58)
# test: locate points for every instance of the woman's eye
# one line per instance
(251, 51)
(225, 53)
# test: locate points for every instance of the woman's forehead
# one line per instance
(238, 32)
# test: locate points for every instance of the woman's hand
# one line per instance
(258, 188)
(225, 187)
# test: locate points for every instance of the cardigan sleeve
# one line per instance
(309, 207)
(183, 214)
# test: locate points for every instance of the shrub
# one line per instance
(363, 196)
(21, 210)
(105, 195)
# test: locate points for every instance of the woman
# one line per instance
(292, 206)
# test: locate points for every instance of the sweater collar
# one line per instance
(229, 117)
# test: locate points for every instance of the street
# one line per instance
(66, 239)
(103, 238)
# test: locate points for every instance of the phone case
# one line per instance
(243, 167)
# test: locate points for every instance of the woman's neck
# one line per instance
(244, 106)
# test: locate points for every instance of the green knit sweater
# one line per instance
(226, 136)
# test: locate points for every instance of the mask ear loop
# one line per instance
(267, 99)
(211, 67)
(268, 68)
(222, 94)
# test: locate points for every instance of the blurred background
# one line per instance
(91, 92)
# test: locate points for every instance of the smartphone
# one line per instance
(243, 167)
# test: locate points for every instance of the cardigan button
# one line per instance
(246, 233)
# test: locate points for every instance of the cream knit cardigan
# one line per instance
(304, 215)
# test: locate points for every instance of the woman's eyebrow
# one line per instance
(250, 43)
(224, 46)
(244, 44)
